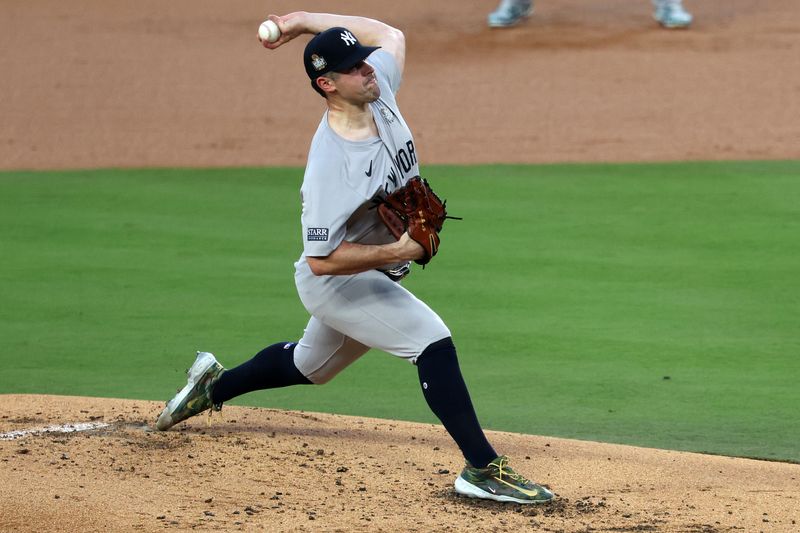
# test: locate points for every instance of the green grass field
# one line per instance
(656, 305)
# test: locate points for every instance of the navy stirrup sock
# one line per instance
(271, 368)
(446, 393)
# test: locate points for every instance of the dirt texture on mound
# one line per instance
(267, 470)
(185, 83)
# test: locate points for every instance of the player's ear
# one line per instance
(326, 84)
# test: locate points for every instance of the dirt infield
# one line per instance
(266, 470)
(184, 83)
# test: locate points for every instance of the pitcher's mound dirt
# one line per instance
(267, 470)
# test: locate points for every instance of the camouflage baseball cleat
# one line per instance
(499, 482)
(195, 397)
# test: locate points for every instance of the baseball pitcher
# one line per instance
(366, 215)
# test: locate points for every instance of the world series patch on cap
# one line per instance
(318, 62)
(334, 50)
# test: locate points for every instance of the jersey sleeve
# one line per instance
(327, 204)
(386, 65)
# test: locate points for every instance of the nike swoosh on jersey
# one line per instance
(369, 172)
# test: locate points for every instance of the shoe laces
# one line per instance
(214, 407)
(504, 470)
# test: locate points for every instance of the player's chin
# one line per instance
(373, 91)
(373, 94)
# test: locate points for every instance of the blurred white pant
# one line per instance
(351, 314)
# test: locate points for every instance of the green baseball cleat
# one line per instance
(195, 397)
(499, 482)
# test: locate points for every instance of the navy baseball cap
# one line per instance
(335, 49)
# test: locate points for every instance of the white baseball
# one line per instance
(269, 31)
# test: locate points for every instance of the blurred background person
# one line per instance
(668, 13)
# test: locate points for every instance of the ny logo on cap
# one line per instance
(348, 38)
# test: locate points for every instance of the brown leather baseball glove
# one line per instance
(415, 208)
